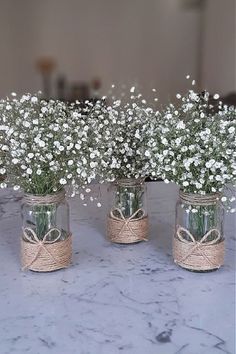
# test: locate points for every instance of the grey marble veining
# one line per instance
(115, 299)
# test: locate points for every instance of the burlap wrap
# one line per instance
(45, 255)
(127, 230)
(56, 198)
(198, 255)
(206, 254)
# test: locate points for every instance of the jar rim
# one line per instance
(37, 199)
(201, 199)
(129, 182)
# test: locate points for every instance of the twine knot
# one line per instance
(40, 243)
(127, 230)
(142, 211)
(199, 253)
(45, 254)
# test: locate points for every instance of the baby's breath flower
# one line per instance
(121, 134)
(37, 136)
(62, 181)
(196, 146)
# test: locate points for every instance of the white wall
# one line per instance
(219, 47)
(18, 37)
(8, 49)
(155, 42)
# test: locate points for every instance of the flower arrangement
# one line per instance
(196, 147)
(122, 135)
(46, 148)
(121, 132)
(45, 145)
(196, 150)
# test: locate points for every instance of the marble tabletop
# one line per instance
(126, 299)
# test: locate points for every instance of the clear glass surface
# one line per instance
(128, 198)
(50, 219)
(199, 220)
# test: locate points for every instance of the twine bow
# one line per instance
(126, 221)
(198, 245)
(40, 243)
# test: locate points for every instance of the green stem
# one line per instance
(201, 222)
(129, 200)
(45, 219)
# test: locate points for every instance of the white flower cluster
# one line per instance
(44, 143)
(197, 147)
(123, 137)
(47, 145)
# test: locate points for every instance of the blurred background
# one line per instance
(71, 48)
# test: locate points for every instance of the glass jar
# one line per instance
(128, 219)
(46, 232)
(198, 243)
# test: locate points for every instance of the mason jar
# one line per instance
(127, 218)
(198, 243)
(46, 238)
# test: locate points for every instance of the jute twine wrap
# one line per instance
(127, 230)
(199, 200)
(203, 255)
(130, 182)
(56, 198)
(45, 255)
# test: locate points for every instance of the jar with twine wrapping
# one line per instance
(127, 220)
(198, 243)
(46, 239)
